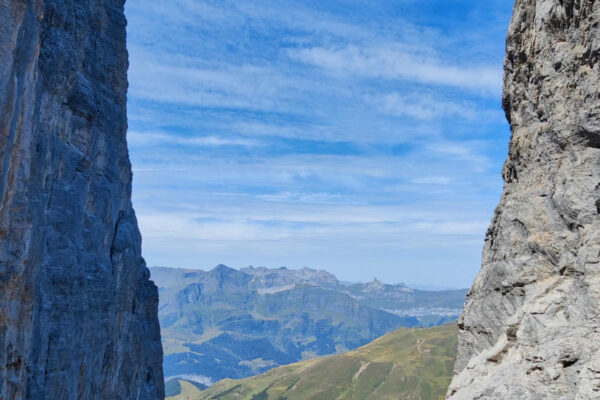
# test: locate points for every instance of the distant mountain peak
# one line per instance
(224, 270)
(376, 284)
(268, 279)
(223, 267)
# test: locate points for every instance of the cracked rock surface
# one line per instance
(531, 325)
(78, 313)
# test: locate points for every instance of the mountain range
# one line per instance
(228, 323)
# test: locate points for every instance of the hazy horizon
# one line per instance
(412, 285)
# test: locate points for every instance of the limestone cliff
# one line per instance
(78, 314)
(531, 325)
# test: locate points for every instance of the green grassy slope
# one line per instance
(186, 390)
(406, 364)
(182, 387)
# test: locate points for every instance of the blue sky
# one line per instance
(361, 137)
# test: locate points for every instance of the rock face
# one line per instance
(531, 325)
(78, 315)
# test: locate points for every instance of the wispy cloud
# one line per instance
(299, 197)
(395, 63)
(424, 106)
(243, 87)
(136, 138)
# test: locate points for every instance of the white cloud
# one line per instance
(296, 197)
(177, 226)
(136, 138)
(395, 61)
(309, 225)
(424, 107)
(471, 152)
(433, 180)
(463, 227)
(307, 177)
(429, 107)
(310, 131)
(247, 87)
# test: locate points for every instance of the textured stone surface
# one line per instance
(531, 325)
(78, 314)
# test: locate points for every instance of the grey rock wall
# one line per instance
(78, 313)
(531, 325)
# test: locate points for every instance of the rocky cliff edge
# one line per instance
(531, 325)
(78, 314)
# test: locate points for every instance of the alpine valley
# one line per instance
(405, 364)
(228, 323)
